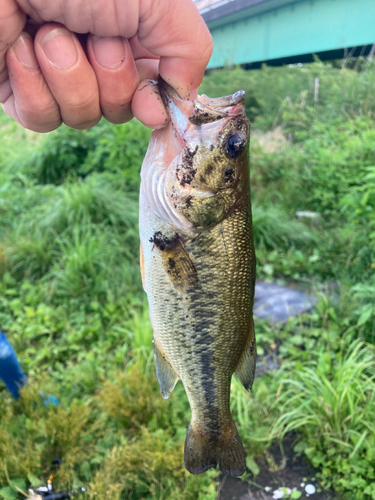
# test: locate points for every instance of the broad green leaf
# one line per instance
(252, 466)
(295, 494)
(8, 493)
(367, 312)
(18, 484)
(34, 481)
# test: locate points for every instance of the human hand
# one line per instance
(48, 77)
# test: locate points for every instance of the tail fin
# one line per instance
(204, 450)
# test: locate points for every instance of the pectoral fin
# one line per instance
(176, 261)
(166, 375)
(246, 367)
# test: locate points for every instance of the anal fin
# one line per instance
(246, 367)
(166, 375)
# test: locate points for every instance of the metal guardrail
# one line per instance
(212, 10)
(206, 5)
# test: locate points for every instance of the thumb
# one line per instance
(176, 32)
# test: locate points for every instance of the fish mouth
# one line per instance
(217, 103)
(203, 109)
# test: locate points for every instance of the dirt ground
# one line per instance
(292, 472)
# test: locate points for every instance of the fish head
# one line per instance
(204, 153)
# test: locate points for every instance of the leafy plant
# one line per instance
(273, 229)
(69, 153)
(332, 402)
(72, 305)
(92, 201)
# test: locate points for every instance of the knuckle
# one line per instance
(80, 123)
(45, 127)
(122, 103)
(39, 116)
(5, 91)
(118, 116)
(81, 112)
(37, 125)
(80, 102)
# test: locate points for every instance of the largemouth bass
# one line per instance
(198, 266)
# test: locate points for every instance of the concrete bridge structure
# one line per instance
(250, 32)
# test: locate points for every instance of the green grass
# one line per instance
(72, 304)
(92, 200)
(332, 402)
(272, 228)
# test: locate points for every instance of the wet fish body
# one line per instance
(198, 266)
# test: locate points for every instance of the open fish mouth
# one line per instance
(203, 109)
(216, 103)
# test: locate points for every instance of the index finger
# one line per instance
(12, 21)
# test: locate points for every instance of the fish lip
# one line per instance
(203, 109)
(167, 92)
(223, 102)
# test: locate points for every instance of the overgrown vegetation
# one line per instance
(72, 305)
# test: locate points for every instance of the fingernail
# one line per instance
(60, 49)
(24, 51)
(108, 52)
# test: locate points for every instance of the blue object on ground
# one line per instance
(10, 370)
(49, 400)
(278, 303)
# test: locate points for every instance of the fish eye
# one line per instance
(234, 145)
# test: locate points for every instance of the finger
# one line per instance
(5, 90)
(102, 18)
(68, 75)
(140, 52)
(147, 105)
(166, 28)
(12, 21)
(30, 101)
(116, 74)
(176, 32)
(148, 69)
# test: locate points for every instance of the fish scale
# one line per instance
(198, 269)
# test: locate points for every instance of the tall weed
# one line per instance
(332, 402)
(69, 153)
(273, 229)
(92, 201)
